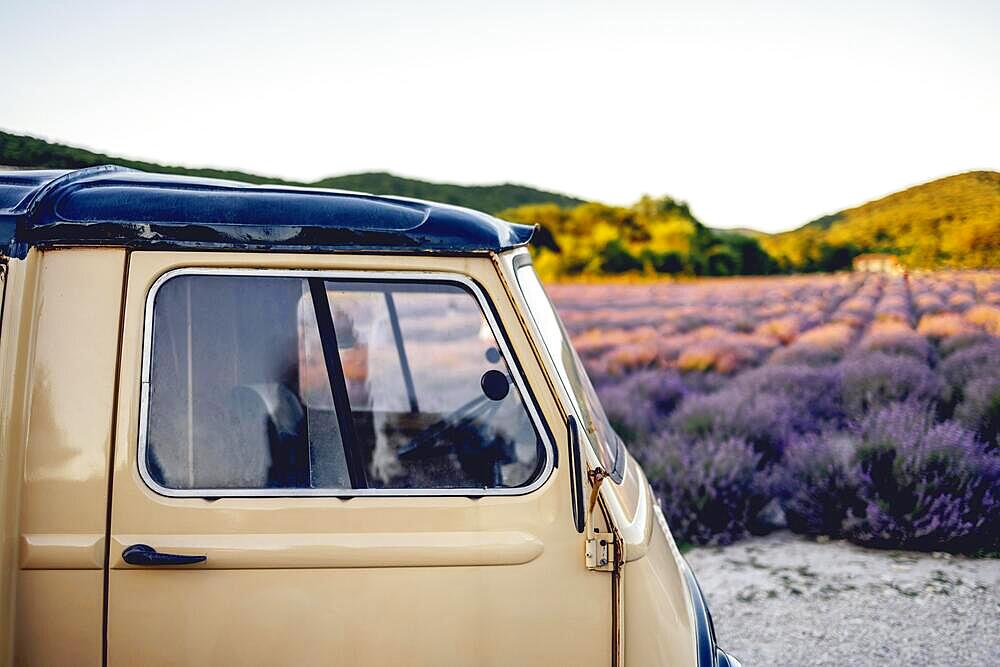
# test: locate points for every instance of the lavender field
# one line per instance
(858, 406)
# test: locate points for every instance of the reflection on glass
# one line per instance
(570, 370)
(241, 395)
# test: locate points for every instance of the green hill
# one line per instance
(491, 198)
(23, 151)
(950, 222)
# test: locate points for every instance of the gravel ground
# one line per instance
(784, 600)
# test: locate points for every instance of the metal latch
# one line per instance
(600, 546)
(599, 550)
(596, 476)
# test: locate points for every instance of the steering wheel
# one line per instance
(495, 385)
(425, 442)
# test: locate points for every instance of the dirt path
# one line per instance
(783, 600)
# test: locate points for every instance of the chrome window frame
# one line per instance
(486, 307)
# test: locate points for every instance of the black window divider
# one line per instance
(338, 382)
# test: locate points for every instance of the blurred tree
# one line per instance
(614, 257)
(662, 262)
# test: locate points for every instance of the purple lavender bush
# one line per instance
(818, 483)
(639, 405)
(709, 490)
(810, 355)
(764, 421)
(872, 380)
(970, 363)
(705, 382)
(979, 410)
(766, 407)
(925, 485)
(899, 342)
(828, 413)
(949, 346)
(812, 393)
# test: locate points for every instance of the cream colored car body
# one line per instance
(370, 580)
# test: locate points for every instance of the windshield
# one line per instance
(571, 372)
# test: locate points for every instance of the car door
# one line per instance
(340, 460)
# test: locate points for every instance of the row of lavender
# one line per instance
(854, 406)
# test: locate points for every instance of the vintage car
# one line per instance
(275, 426)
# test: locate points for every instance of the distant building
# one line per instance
(873, 263)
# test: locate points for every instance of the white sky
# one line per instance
(762, 114)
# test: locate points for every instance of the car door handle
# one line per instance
(143, 554)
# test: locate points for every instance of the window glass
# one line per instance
(261, 382)
(571, 371)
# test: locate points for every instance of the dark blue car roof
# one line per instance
(123, 207)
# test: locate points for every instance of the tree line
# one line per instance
(654, 236)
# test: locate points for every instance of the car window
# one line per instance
(288, 383)
(571, 372)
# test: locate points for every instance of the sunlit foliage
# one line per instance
(950, 222)
(655, 236)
